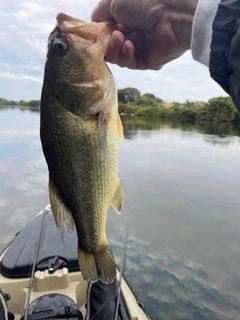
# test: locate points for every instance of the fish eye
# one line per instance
(61, 46)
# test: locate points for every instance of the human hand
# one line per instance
(150, 33)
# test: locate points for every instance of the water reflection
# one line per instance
(216, 130)
(23, 172)
(173, 290)
(181, 185)
(30, 109)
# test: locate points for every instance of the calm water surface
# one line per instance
(181, 186)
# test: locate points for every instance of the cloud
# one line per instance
(181, 80)
(24, 30)
(30, 133)
(12, 76)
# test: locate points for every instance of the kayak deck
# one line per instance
(15, 269)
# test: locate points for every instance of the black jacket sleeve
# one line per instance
(225, 49)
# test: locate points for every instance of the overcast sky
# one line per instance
(24, 30)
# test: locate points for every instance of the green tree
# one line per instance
(188, 114)
(128, 95)
(23, 103)
(189, 104)
(222, 109)
(33, 103)
(151, 112)
(152, 96)
(7, 102)
(127, 108)
(146, 102)
(177, 104)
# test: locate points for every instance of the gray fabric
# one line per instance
(202, 30)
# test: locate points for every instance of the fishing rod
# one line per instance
(123, 264)
(34, 265)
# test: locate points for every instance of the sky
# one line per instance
(24, 30)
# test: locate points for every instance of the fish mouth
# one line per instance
(89, 32)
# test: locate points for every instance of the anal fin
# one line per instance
(118, 198)
(61, 213)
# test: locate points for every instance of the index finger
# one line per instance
(102, 11)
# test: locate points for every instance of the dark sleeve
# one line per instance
(225, 49)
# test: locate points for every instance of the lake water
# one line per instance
(181, 187)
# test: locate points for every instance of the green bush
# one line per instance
(7, 102)
(127, 108)
(146, 102)
(188, 114)
(152, 112)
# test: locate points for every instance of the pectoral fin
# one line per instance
(120, 129)
(61, 213)
(118, 198)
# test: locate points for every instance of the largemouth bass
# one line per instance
(80, 127)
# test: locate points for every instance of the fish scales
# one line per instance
(80, 173)
(83, 174)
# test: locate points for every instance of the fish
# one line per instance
(80, 129)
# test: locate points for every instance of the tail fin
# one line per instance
(97, 266)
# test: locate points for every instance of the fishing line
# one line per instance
(34, 265)
(122, 268)
(109, 299)
(124, 254)
(123, 263)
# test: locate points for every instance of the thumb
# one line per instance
(102, 11)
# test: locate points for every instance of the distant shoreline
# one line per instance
(131, 103)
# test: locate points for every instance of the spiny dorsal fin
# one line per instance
(61, 213)
(120, 129)
(118, 198)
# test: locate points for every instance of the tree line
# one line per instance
(22, 103)
(131, 102)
